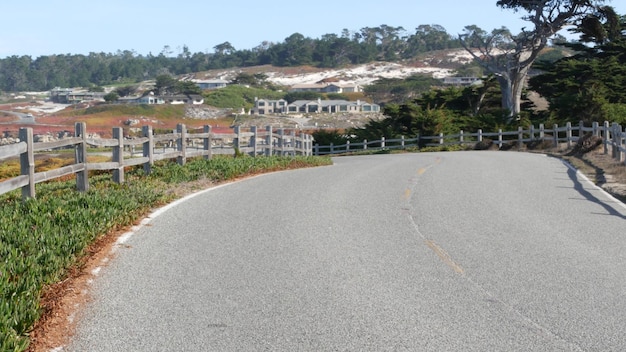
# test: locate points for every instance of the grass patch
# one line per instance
(116, 110)
(42, 239)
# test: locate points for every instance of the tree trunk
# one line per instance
(511, 86)
(506, 88)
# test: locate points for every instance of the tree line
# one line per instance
(388, 43)
(588, 86)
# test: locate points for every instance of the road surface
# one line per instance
(456, 251)
(27, 119)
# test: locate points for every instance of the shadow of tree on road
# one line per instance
(579, 187)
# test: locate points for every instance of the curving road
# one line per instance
(26, 119)
(463, 251)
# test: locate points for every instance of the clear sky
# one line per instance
(47, 27)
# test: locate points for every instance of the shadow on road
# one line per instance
(578, 186)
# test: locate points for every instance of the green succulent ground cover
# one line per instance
(42, 238)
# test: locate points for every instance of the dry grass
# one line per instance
(44, 162)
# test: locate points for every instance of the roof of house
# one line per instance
(209, 81)
(183, 96)
(323, 102)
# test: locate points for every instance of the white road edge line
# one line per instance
(124, 237)
(607, 194)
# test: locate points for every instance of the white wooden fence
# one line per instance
(180, 145)
(613, 136)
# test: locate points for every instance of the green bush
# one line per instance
(237, 97)
(614, 113)
(41, 238)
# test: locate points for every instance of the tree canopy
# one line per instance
(384, 42)
(590, 85)
(509, 56)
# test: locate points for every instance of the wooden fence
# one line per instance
(145, 150)
(182, 144)
(613, 138)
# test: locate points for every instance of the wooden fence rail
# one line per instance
(180, 145)
(613, 139)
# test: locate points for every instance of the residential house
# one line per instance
(341, 88)
(266, 106)
(210, 83)
(461, 81)
(193, 99)
(316, 87)
(69, 96)
(149, 98)
(263, 106)
(326, 88)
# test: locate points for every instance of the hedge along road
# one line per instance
(472, 251)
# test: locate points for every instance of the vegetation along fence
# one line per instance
(613, 138)
(144, 150)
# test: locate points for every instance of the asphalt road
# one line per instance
(463, 251)
(22, 118)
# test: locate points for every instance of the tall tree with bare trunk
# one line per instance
(509, 56)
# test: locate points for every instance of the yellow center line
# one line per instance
(444, 256)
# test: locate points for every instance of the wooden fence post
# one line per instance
(568, 134)
(281, 141)
(595, 128)
(82, 177)
(520, 137)
(181, 144)
(532, 132)
(148, 149)
(237, 139)
(118, 155)
(27, 162)
(253, 140)
(269, 140)
(207, 143)
(581, 129)
(605, 137)
(617, 142)
(542, 131)
(622, 142)
(555, 132)
(613, 139)
(292, 145)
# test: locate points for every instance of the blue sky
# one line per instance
(46, 27)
